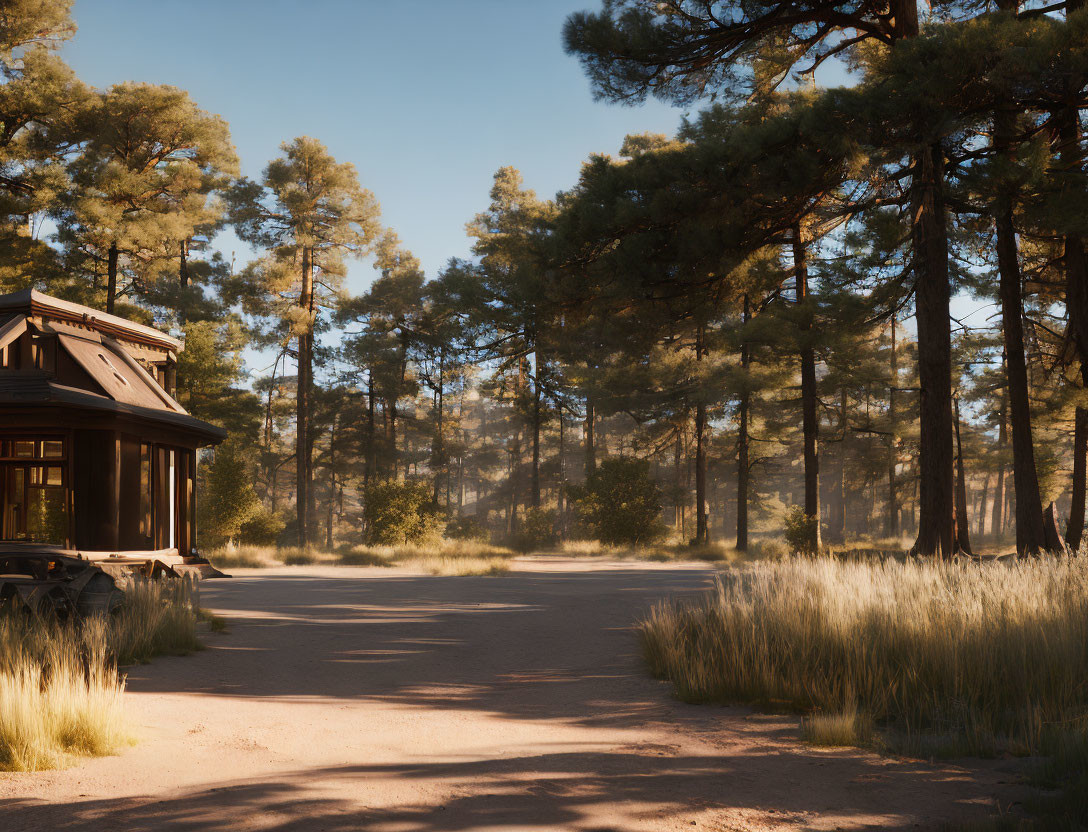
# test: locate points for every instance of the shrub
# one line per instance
(467, 528)
(228, 500)
(263, 528)
(401, 512)
(800, 531)
(243, 557)
(537, 530)
(620, 503)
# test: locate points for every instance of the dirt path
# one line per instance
(356, 699)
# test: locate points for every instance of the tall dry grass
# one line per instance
(446, 557)
(449, 557)
(60, 689)
(972, 657)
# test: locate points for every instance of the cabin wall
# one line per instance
(96, 463)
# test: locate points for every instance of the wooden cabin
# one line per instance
(96, 455)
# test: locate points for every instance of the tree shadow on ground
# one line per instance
(529, 646)
(648, 787)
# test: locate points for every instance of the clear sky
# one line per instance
(427, 98)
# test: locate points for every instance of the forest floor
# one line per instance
(348, 698)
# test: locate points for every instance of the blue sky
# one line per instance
(427, 98)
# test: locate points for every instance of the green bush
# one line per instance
(536, 531)
(800, 531)
(467, 528)
(227, 501)
(620, 503)
(401, 512)
(262, 529)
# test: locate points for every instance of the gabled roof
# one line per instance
(101, 346)
(32, 302)
(37, 389)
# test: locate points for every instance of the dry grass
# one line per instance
(845, 728)
(448, 557)
(670, 552)
(982, 657)
(263, 557)
(454, 557)
(588, 548)
(60, 690)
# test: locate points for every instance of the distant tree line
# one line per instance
(757, 309)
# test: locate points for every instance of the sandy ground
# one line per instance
(362, 699)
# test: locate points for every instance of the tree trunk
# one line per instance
(810, 424)
(963, 531)
(701, 536)
(1075, 529)
(590, 439)
(982, 503)
(1076, 302)
(997, 522)
(929, 244)
(438, 451)
(515, 466)
(678, 508)
(183, 265)
(391, 413)
(111, 278)
(368, 471)
(742, 446)
(932, 298)
(267, 463)
(561, 512)
(1052, 535)
(836, 528)
(332, 485)
(303, 445)
(1029, 507)
(535, 486)
(891, 523)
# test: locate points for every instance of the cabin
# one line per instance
(96, 455)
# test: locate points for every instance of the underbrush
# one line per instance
(60, 690)
(448, 557)
(677, 552)
(990, 654)
(925, 658)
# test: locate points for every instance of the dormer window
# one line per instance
(43, 353)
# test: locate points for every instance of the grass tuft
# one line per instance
(846, 728)
(60, 690)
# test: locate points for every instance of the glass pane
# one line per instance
(13, 484)
(53, 448)
(46, 515)
(36, 475)
(145, 490)
(24, 449)
(54, 476)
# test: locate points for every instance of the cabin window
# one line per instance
(145, 490)
(43, 349)
(9, 356)
(33, 491)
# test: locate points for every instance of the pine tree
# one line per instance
(142, 183)
(679, 50)
(312, 213)
(511, 242)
